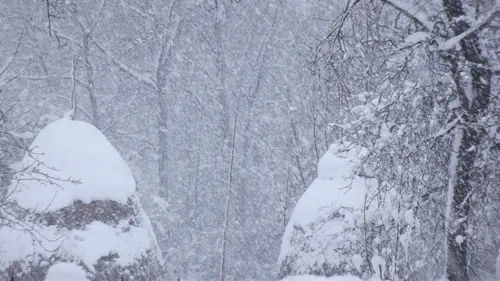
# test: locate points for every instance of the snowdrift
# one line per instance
(321, 234)
(321, 278)
(75, 197)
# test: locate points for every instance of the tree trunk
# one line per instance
(221, 74)
(162, 145)
(162, 102)
(468, 137)
(90, 80)
(222, 272)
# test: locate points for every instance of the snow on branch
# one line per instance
(124, 67)
(449, 127)
(96, 17)
(412, 11)
(480, 23)
(145, 15)
(53, 76)
(7, 80)
(4, 68)
(6, 65)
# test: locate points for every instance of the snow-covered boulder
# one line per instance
(321, 236)
(77, 200)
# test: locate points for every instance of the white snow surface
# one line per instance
(321, 278)
(65, 272)
(357, 260)
(71, 160)
(337, 190)
(87, 246)
(334, 187)
(417, 37)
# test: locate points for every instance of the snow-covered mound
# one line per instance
(72, 160)
(319, 236)
(76, 198)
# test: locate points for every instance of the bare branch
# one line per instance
(140, 77)
(413, 12)
(8, 62)
(96, 17)
(136, 10)
(53, 76)
(72, 40)
(47, 4)
(3, 83)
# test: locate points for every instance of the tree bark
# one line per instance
(472, 106)
(90, 79)
(162, 121)
(222, 272)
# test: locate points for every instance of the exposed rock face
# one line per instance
(106, 234)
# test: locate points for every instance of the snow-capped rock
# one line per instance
(76, 200)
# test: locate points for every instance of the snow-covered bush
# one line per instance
(325, 234)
